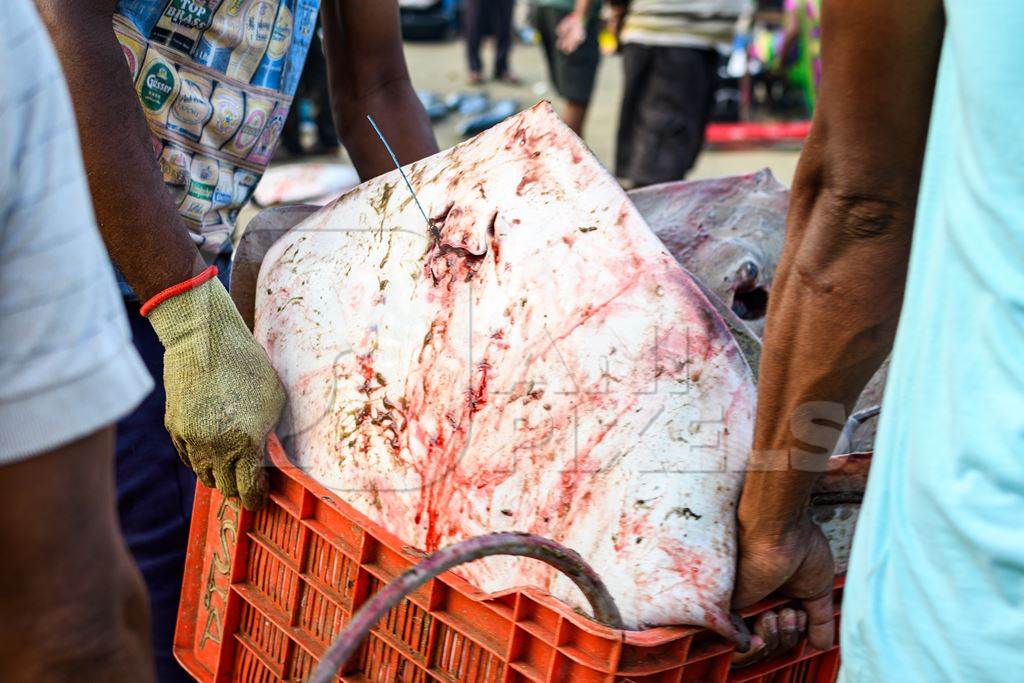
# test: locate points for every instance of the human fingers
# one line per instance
(789, 630)
(224, 477)
(755, 654)
(821, 629)
(767, 627)
(252, 481)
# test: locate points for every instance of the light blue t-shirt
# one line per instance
(935, 590)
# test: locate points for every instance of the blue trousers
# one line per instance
(154, 499)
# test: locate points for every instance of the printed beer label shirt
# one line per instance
(215, 79)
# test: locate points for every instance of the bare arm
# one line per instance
(136, 214)
(837, 295)
(72, 604)
(572, 30)
(368, 75)
(582, 7)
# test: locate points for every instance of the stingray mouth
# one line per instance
(750, 302)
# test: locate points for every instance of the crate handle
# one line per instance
(558, 556)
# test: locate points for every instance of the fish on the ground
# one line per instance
(495, 114)
(318, 182)
(435, 107)
(530, 358)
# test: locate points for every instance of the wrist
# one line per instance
(765, 527)
(177, 290)
(205, 309)
(767, 512)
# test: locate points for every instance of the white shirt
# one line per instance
(67, 364)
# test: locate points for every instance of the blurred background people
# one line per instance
(795, 49)
(670, 61)
(72, 603)
(569, 32)
(481, 18)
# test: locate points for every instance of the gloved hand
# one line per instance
(223, 396)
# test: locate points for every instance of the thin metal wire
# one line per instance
(399, 167)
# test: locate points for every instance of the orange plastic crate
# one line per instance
(266, 592)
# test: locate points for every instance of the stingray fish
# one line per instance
(513, 349)
(727, 231)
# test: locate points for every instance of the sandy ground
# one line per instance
(440, 68)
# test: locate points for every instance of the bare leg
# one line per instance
(575, 115)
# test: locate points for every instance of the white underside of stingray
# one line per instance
(535, 362)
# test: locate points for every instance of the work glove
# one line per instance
(223, 396)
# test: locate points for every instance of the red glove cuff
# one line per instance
(177, 289)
